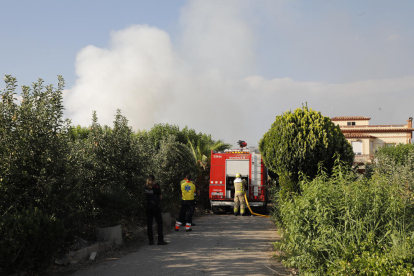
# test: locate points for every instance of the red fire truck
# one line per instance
(224, 167)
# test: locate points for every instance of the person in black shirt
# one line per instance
(153, 197)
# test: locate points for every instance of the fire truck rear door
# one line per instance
(237, 166)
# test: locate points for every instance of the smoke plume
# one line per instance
(208, 80)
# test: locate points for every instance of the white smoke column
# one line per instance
(135, 74)
(217, 39)
(217, 44)
(207, 81)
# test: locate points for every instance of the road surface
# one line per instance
(218, 245)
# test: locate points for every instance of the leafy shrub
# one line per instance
(398, 153)
(112, 171)
(298, 141)
(33, 148)
(343, 225)
(35, 196)
(397, 163)
(29, 240)
(170, 164)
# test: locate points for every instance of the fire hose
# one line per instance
(247, 202)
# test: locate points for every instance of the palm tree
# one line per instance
(202, 150)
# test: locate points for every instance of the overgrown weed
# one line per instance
(346, 225)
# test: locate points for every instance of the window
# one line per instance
(357, 147)
(350, 123)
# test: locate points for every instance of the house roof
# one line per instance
(375, 126)
(377, 129)
(350, 118)
(358, 135)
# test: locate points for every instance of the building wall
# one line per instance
(357, 122)
(389, 138)
(381, 140)
(366, 149)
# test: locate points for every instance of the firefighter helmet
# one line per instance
(238, 175)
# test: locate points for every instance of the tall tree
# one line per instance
(300, 142)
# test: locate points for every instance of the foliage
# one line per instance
(397, 163)
(113, 171)
(397, 153)
(342, 225)
(35, 196)
(170, 164)
(160, 131)
(29, 239)
(79, 132)
(202, 148)
(298, 142)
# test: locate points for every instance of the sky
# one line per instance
(225, 68)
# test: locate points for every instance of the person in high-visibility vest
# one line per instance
(195, 201)
(239, 195)
(188, 190)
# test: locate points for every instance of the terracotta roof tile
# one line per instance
(358, 135)
(370, 130)
(374, 126)
(350, 118)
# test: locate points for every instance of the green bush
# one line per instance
(398, 153)
(29, 241)
(343, 225)
(298, 142)
(397, 163)
(36, 197)
(112, 171)
(170, 164)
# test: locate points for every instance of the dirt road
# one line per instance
(218, 245)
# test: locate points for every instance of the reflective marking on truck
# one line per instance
(217, 193)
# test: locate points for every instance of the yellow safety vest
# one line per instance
(187, 190)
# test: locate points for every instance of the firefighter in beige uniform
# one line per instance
(239, 195)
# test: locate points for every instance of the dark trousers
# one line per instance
(154, 210)
(187, 211)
